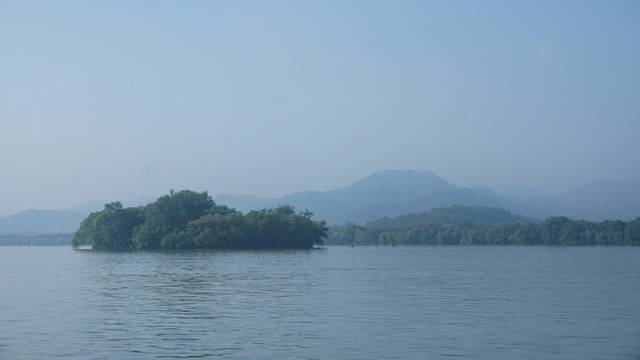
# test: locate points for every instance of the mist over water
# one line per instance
(336, 302)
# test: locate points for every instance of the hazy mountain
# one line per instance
(389, 193)
(381, 194)
(385, 194)
(366, 197)
(38, 222)
(395, 193)
(35, 222)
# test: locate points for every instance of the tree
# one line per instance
(527, 234)
(572, 233)
(632, 233)
(165, 218)
(114, 227)
(283, 228)
(83, 235)
(448, 236)
(187, 219)
(551, 228)
(611, 232)
(215, 230)
(110, 228)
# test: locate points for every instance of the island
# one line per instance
(192, 220)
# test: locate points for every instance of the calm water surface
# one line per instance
(337, 302)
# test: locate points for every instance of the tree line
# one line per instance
(192, 220)
(36, 240)
(453, 215)
(557, 230)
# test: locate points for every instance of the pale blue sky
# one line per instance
(116, 100)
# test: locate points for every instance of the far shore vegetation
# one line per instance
(36, 240)
(463, 230)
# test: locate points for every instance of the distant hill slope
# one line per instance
(452, 215)
(369, 198)
(390, 194)
(394, 193)
(47, 222)
(36, 222)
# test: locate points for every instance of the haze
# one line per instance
(117, 100)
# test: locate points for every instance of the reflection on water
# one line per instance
(337, 302)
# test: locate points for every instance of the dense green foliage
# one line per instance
(191, 220)
(554, 231)
(452, 215)
(36, 240)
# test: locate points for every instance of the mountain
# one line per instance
(387, 193)
(37, 222)
(395, 193)
(46, 222)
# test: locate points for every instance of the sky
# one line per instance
(118, 100)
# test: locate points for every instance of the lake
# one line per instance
(331, 303)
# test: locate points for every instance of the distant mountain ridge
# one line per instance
(39, 222)
(47, 222)
(388, 194)
(394, 193)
